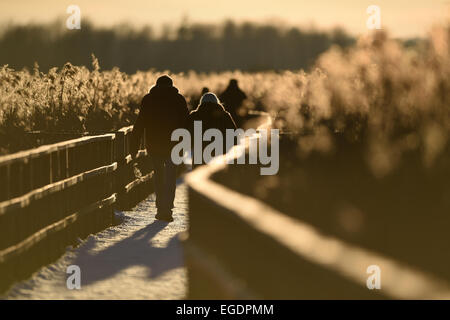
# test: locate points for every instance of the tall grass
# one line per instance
(389, 98)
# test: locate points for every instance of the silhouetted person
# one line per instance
(162, 111)
(212, 115)
(232, 98)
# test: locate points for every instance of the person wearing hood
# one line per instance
(213, 116)
(162, 111)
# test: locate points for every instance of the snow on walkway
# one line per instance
(141, 258)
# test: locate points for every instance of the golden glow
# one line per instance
(403, 18)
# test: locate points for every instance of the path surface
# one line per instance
(142, 258)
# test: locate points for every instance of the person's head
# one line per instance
(164, 81)
(209, 97)
(205, 90)
(233, 83)
(210, 102)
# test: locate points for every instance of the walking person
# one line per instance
(162, 111)
(213, 116)
(233, 98)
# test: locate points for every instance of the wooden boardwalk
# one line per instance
(142, 258)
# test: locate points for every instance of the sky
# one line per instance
(402, 18)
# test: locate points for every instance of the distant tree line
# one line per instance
(199, 47)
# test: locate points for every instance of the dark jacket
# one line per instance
(162, 111)
(212, 116)
(233, 98)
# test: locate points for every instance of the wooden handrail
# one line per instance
(59, 225)
(26, 199)
(304, 240)
(46, 149)
(126, 130)
(56, 193)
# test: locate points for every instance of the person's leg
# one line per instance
(158, 181)
(170, 183)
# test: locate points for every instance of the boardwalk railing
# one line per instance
(52, 195)
(239, 247)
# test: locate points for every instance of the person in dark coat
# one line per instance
(232, 98)
(162, 111)
(212, 115)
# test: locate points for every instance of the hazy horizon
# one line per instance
(401, 18)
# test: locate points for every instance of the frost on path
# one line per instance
(141, 258)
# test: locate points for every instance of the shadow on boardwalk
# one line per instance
(141, 258)
(136, 250)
